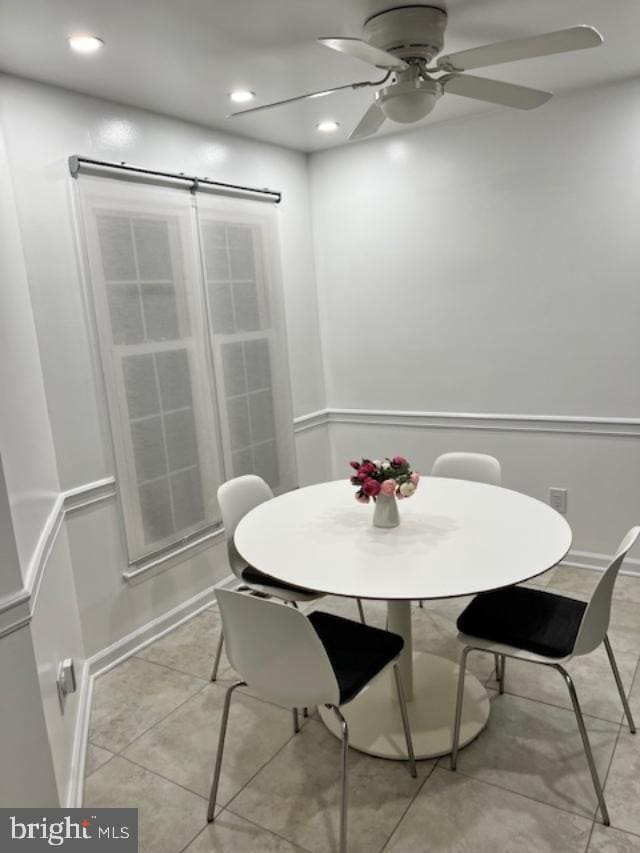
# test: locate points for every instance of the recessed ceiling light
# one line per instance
(241, 96)
(83, 43)
(327, 126)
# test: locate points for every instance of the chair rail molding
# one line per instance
(503, 422)
(16, 610)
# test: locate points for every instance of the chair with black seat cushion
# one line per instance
(297, 661)
(543, 627)
(236, 498)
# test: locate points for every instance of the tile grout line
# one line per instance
(585, 816)
(264, 829)
(162, 719)
(259, 770)
(622, 726)
(162, 776)
(411, 802)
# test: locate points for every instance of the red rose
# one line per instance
(398, 461)
(371, 487)
(355, 464)
(365, 469)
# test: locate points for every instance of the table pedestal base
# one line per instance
(375, 725)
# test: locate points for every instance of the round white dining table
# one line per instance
(455, 538)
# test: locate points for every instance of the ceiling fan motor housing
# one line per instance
(409, 32)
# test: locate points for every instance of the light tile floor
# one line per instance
(523, 785)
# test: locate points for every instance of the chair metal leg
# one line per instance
(501, 663)
(216, 663)
(223, 732)
(458, 714)
(405, 721)
(345, 778)
(620, 686)
(361, 612)
(585, 742)
(296, 723)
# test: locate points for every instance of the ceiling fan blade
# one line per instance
(370, 122)
(495, 91)
(366, 52)
(574, 38)
(309, 95)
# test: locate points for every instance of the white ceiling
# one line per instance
(182, 57)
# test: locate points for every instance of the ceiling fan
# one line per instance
(404, 41)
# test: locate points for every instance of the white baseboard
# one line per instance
(116, 653)
(599, 562)
(75, 789)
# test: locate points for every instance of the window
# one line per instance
(192, 347)
(247, 339)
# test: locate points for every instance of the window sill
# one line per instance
(146, 568)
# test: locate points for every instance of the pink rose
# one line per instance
(415, 478)
(371, 487)
(388, 487)
(399, 461)
(363, 499)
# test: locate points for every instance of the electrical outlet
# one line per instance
(558, 500)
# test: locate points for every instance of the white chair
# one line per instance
(297, 661)
(543, 627)
(236, 498)
(479, 467)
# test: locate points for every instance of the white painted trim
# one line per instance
(118, 652)
(600, 562)
(75, 788)
(173, 555)
(564, 424)
(46, 540)
(66, 502)
(137, 640)
(312, 420)
(89, 494)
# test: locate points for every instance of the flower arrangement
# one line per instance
(383, 477)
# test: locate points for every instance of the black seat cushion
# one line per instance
(530, 619)
(357, 652)
(252, 575)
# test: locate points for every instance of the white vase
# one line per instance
(386, 512)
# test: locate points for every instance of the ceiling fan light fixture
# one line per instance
(409, 101)
(327, 126)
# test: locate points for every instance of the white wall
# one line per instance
(43, 126)
(490, 265)
(26, 444)
(26, 768)
(43, 558)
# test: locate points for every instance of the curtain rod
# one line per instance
(76, 162)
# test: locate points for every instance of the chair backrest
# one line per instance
(236, 498)
(479, 467)
(595, 622)
(275, 649)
